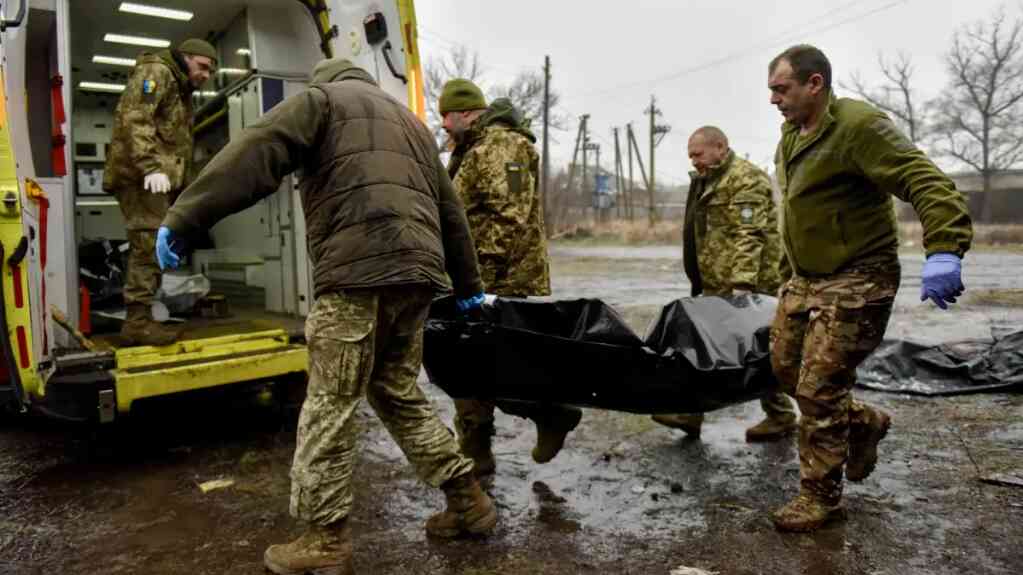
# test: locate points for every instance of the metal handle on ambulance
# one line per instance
(390, 65)
(5, 24)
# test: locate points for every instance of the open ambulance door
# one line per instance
(49, 200)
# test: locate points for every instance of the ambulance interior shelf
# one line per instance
(215, 109)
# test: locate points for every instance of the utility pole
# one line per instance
(630, 209)
(657, 133)
(585, 192)
(618, 177)
(639, 159)
(589, 146)
(575, 154)
(598, 207)
(545, 177)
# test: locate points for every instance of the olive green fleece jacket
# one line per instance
(837, 185)
(378, 204)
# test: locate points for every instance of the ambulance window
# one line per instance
(40, 69)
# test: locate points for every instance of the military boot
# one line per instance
(687, 422)
(322, 550)
(140, 328)
(863, 440)
(807, 512)
(772, 429)
(469, 510)
(476, 445)
(551, 429)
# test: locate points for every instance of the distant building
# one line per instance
(1006, 190)
(1006, 195)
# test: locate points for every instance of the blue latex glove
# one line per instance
(942, 279)
(165, 255)
(469, 304)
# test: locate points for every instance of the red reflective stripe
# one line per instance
(22, 347)
(44, 209)
(19, 299)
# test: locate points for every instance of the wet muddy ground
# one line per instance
(625, 496)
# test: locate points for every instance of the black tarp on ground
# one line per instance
(974, 366)
(701, 354)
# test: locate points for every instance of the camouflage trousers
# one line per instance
(365, 342)
(143, 276)
(143, 211)
(823, 329)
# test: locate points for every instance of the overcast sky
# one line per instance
(705, 62)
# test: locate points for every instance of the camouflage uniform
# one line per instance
(386, 231)
(731, 242)
(495, 174)
(823, 329)
(494, 170)
(731, 239)
(152, 133)
(365, 342)
(840, 238)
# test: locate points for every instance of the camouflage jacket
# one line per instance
(495, 173)
(152, 133)
(730, 237)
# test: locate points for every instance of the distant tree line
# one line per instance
(977, 120)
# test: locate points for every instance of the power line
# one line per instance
(449, 44)
(674, 180)
(775, 40)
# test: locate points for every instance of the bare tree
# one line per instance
(460, 62)
(895, 94)
(526, 93)
(977, 116)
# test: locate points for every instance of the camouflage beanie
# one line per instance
(197, 47)
(460, 95)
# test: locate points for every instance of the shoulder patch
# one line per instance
(148, 90)
(513, 172)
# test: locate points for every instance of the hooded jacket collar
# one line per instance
(501, 112)
(340, 70)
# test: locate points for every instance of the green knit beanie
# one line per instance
(197, 47)
(460, 95)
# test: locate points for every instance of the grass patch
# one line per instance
(668, 232)
(996, 297)
(989, 237)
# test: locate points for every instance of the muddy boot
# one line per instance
(687, 422)
(469, 511)
(476, 445)
(772, 429)
(551, 429)
(141, 329)
(322, 550)
(805, 513)
(863, 440)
